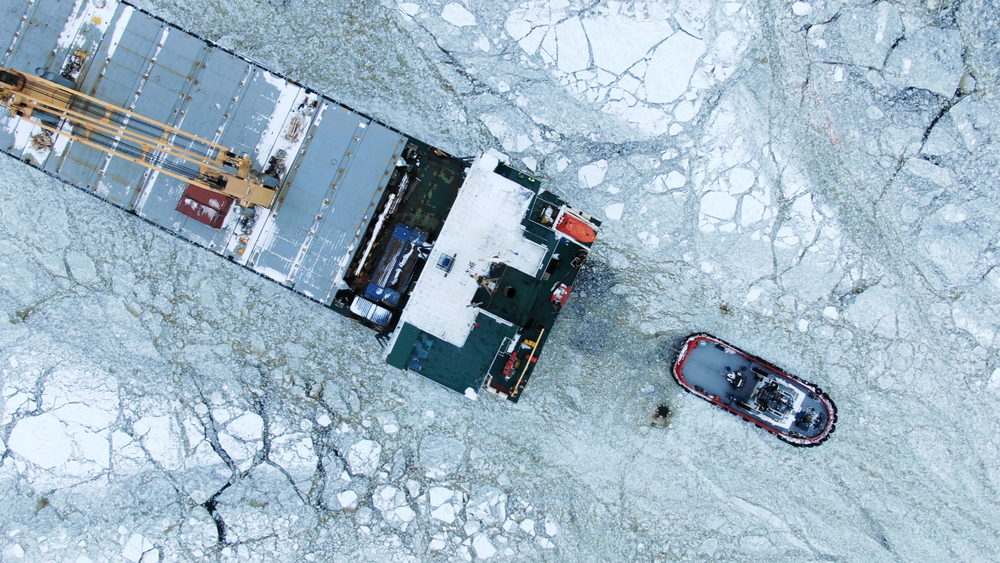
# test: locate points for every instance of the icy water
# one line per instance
(814, 182)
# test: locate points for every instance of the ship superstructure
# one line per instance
(460, 265)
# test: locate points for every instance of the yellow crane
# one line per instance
(130, 136)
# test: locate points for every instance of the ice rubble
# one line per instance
(811, 180)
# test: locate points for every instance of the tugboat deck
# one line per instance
(797, 411)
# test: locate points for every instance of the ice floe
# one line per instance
(42, 440)
(593, 174)
(671, 66)
(928, 58)
(391, 502)
(439, 495)
(719, 205)
(457, 15)
(440, 455)
(484, 548)
(363, 457)
(139, 548)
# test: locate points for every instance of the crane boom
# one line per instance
(133, 137)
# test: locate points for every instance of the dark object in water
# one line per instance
(662, 415)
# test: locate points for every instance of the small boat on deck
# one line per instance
(575, 227)
(796, 411)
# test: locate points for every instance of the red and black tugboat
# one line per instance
(796, 411)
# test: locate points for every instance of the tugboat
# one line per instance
(796, 411)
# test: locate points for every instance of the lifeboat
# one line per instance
(576, 228)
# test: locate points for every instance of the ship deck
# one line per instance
(336, 162)
(361, 213)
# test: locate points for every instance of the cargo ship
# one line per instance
(459, 265)
(794, 410)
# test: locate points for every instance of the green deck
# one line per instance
(455, 368)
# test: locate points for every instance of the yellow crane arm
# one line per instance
(131, 136)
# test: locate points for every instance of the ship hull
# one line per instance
(796, 411)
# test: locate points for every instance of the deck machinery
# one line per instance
(461, 266)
